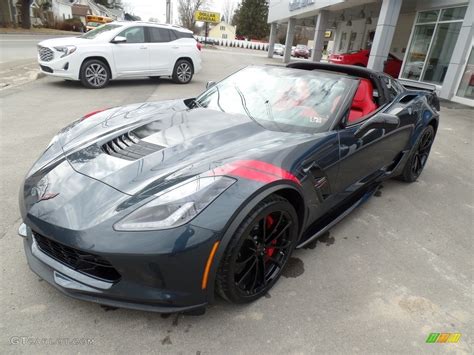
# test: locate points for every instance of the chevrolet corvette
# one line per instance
(162, 205)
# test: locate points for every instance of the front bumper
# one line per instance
(67, 67)
(161, 282)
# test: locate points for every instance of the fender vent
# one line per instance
(129, 147)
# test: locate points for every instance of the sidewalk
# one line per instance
(19, 72)
(37, 31)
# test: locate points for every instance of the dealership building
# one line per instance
(433, 38)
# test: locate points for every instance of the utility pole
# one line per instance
(168, 11)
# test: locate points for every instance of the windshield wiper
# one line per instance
(244, 106)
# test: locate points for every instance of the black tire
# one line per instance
(249, 267)
(95, 74)
(183, 71)
(419, 156)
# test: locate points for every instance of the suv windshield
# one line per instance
(282, 98)
(99, 31)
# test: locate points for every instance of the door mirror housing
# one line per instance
(379, 121)
(119, 39)
(210, 84)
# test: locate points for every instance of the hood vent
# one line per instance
(129, 147)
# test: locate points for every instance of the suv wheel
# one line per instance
(183, 72)
(95, 74)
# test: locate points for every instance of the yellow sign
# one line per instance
(327, 34)
(206, 16)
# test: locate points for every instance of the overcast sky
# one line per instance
(157, 8)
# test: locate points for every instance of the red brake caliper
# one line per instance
(269, 251)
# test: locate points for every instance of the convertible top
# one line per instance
(361, 72)
(340, 68)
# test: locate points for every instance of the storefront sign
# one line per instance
(206, 16)
(298, 4)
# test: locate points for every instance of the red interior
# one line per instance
(363, 102)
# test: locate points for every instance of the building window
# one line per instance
(342, 42)
(466, 86)
(432, 43)
(224, 36)
(222, 28)
(352, 41)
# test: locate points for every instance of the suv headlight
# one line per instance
(176, 206)
(66, 50)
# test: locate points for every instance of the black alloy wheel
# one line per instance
(419, 157)
(258, 252)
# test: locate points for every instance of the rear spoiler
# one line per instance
(418, 86)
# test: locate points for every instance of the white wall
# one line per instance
(278, 10)
(61, 10)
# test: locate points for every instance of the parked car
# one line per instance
(279, 49)
(160, 205)
(361, 58)
(210, 41)
(122, 50)
(301, 51)
(293, 51)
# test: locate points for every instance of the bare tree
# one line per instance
(186, 10)
(228, 9)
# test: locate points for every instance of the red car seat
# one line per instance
(363, 102)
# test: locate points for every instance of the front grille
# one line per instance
(128, 146)
(86, 263)
(45, 54)
(46, 69)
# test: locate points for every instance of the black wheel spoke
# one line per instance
(247, 273)
(261, 270)
(275, 228)
(284, 245)
(276, 262)
(277, 236)
(245, 261)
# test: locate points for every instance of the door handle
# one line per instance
(143, 47)
(175, 47)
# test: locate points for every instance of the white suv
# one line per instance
(122, 49)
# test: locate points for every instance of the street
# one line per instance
(396, 269)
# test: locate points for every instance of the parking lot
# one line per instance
(395, 270)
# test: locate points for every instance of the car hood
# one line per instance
(64, 41)
(139, 149)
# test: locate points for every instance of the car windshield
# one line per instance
(280, 98)
(100, 31)
(301, 47)
(94, 24)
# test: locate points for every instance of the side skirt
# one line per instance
(338, 216)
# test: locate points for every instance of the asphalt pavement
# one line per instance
(393, 271)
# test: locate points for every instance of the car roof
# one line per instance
(154, 24)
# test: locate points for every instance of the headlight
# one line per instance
(176, 206)
(66, 50)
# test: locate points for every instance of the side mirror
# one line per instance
(379, 121)
(210, 84)
(119, 39)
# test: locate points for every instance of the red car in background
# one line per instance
(361, 58)
(301, 51)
